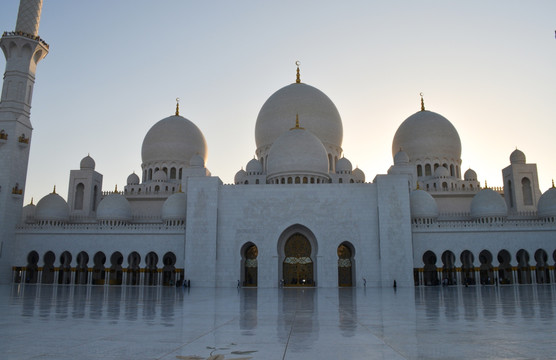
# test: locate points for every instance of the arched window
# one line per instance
(297, 180)
(150, 174)
(180, 173)
(173, 173)
(290, 180)
(452, 170)
(428, 170)
(79, 193)
(527, 191)
(511, 193)
(419, 170)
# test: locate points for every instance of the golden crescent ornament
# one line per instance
(297, 63)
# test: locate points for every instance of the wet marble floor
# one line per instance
(96, 322)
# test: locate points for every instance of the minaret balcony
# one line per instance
(25, 35)
(23, 141)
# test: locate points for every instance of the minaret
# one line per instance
(23, 49)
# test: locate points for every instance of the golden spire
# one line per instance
(422, 102)
(32, 198)
(552, 185)
(297, 123)
(54, 191)
(486, 185)
(177, 106)
(179, 190)
(418, 188)
(298, 77)
(116, 189)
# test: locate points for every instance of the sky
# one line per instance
(115, 68)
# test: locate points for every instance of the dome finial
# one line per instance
(418, 188)
(177, 106)
(116, 189)
(422, 102)
(486, 185)
(54, 190)
(552, 187)
(298, 77)
(32, 198)
(296, 123)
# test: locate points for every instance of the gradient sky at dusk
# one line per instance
(116, 67)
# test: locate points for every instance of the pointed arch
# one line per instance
(297, 251)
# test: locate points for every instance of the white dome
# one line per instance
(358, 175)
(197, 161)
(401, 158)
(173, 139)
(114, 207)
(488, 203)
(423, 205)
(297, 152)
(254, 167)
(133, 179)
(87, 163)
(441, 172)
(517, 157)
(547, 204)
(160, 176)
(28, 213)
(317, 111)
(343, 165)
(470, 175)
(240, 176)
(174, 208)
(427, 134)
(52, 207)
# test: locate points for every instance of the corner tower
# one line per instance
(23, 49)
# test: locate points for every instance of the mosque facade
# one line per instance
(298, 214)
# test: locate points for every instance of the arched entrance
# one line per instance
(297, 267)
(250, 264)
(345, 265)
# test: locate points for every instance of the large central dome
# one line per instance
(173, 139)
(318, 112)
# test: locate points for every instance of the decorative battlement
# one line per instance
(25, 35)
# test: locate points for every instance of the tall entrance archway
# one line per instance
(250, 264)
(297, 268)
(345, 265)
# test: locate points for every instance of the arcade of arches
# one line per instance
(97, 271)
(471, 270)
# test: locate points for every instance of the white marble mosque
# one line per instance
(299, 214)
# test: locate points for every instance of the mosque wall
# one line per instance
(329, 214)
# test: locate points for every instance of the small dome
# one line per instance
(173, 139)
(197, 161)
(87, 163)
(318, 113)
(401, 158)
(133, 179)
(297, 152)
(441, 172)
(470, 175)
(517, 157)
(358, 175)
(114, 207)
(423, 205)
(52, 207)
(488, 203)
(427, 135)
(547, 204)
(28, 213)
(254, 167)
(240, 176)
(160, 176)
(174, 208)
(343, 165)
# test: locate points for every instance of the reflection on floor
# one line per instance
(112, 322)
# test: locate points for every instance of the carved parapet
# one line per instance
(29, 36)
